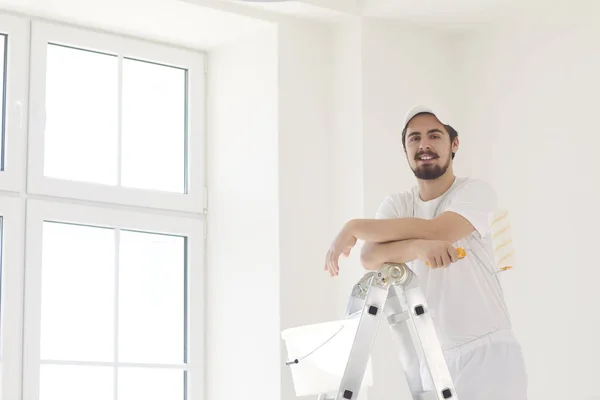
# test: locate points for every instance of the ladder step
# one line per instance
(397, 318)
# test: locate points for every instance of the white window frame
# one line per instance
(194, 62)
(11, 210)
(17, 29)
(39, 211)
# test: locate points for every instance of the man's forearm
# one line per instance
(391, 230)
(374, 255)
(448, 226)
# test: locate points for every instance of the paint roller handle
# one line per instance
(460, 252)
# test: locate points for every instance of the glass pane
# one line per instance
(81, 137)
(151, 298)
(3, 60)
(150, 384)
(74, 382)
(154, 126)
(78, 274)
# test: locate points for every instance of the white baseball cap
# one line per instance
(419, 109)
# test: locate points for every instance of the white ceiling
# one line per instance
(443, 12)
(436, 9)
(330, 9)
(206, 24)
(317, 10)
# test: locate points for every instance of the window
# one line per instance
(13, 101)
(113, 315)
(116, 120)
(102, 215)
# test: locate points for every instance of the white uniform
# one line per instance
(465, 299)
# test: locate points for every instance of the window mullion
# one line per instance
(120, 120)
(33, 300)
(116, 308)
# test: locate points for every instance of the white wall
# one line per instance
(305, 124)
(304, 136)
(346, 167)
(269, 228)
(532, 101)
(243, 355)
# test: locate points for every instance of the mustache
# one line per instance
(426, 153)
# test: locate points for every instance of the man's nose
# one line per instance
(425, 144)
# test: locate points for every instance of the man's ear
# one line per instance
(455, 145)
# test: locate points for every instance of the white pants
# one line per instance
(489, 368)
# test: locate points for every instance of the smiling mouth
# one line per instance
(426, 158)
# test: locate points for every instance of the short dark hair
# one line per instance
(451, 131)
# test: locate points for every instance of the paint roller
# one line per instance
(501, 232)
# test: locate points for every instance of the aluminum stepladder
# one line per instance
(393, 293)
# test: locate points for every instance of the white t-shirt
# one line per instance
(465, 299)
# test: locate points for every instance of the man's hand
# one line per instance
(343, 243)
(437, 253)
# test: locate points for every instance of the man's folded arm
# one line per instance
(374, 255)
(448, 226)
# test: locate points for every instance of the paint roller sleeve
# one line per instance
(501, 231)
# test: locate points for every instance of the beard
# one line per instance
(430, 171)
